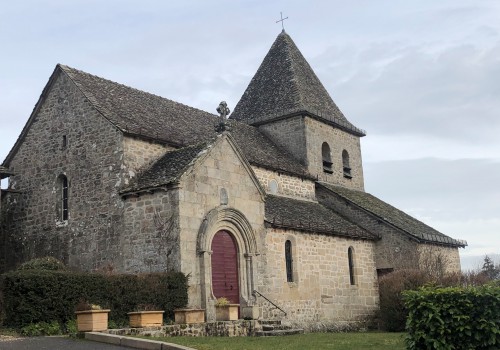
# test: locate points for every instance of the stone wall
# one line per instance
(338, 140)
(238, 328)
(219, 193)
(150, 240)
(321, 290)
(289, 134)
(67, 137)
(288, 186)
(138, 153)
(439, 258)
(303, 138)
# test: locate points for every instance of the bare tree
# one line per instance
(434, 262)
(166, 239)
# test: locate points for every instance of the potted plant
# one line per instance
(146, 315)
(225, 311)
(188, 316)
(91, 317)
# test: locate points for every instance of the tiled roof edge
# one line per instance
(342, 124)
(319, 229)
(442, 241)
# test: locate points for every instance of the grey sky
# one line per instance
(422, 77)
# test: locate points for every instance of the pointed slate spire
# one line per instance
(285, 84)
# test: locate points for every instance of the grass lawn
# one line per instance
(318, 341)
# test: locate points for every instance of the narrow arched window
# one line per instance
(273, 186)
(63, 194)
(327, 158)
(345, 163)
(350, 257)
(289, 261)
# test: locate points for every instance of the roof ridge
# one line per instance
(292, 63)
(70, 70)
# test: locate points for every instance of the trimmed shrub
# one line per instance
(392, 313)
(41, 329)
(453, 318)
(34, 296)
(46, 263)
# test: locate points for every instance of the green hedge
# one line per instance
(453, 318)
(45, 263)
(31, 296)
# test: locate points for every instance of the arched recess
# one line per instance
(62, 198)
(346, 165)
(327, 158)
(350, 260)
(234, 222)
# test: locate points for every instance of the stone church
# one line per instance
(269, 202)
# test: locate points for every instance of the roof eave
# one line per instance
(406, 233)
(336, 122)
(285, 172)
(317, 230)
(150, 189)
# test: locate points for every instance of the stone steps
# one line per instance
(276, 328)
(278, 332)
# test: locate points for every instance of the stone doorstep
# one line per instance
(275, 327)
(278, 332)
(136, 343)
(270, 322)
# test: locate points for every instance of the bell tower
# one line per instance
(288, 103)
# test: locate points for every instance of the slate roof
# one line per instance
(310, 216)
(140, 113)
(145, 115)
(392, 215)
(166, 170)
(285, 84)
(260, 150)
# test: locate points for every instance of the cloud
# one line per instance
(455, 188)
(457, 197)
(405, 90)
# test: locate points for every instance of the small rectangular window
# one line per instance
(64, 141)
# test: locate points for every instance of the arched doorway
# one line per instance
(244, 243)
(225, 279)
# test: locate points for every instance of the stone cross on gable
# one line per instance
(224, 111)
(282, 20)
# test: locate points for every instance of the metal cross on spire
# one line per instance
(282, 20)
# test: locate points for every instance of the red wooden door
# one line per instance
(225, 267)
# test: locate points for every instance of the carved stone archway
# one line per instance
(233, 221)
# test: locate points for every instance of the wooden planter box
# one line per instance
(92, 320)
(141, 319)
(227, 312)
(187, 316)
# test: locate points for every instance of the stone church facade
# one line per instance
(107, 176)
